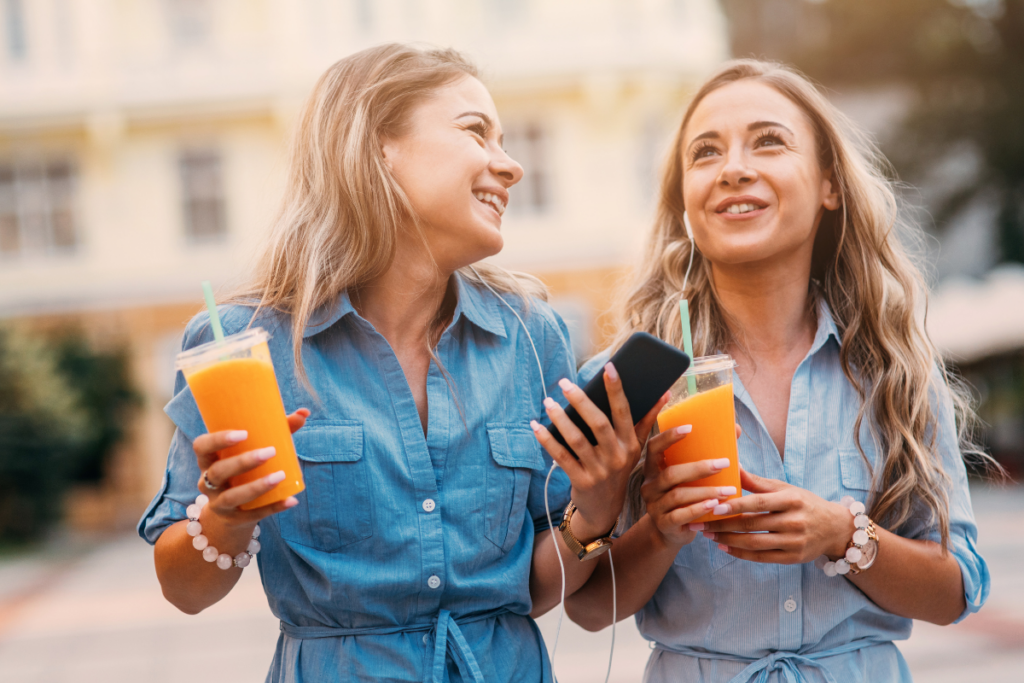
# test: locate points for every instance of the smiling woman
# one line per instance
(800, 275)
(421, 546)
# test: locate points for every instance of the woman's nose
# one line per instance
(506, 168)
(737, 170)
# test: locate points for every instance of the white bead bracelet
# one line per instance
(210, 554)
(855, 552)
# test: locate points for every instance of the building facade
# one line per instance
(143, 148)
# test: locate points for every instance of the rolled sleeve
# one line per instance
(179, 487)
(963, 530)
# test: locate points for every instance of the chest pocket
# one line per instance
(515, 456)
(336, 509)
(702, 555)
(855, 473)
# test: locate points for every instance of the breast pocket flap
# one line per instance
(856, 474)
(514, 445)
(340, 441)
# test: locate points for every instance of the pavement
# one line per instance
(90, 609)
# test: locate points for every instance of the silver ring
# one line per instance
(206, 481)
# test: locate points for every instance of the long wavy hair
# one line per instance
(343, 212)
(861, 270)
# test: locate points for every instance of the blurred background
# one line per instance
(142, 150)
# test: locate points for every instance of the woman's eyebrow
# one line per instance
(480, 114)
(769, 124)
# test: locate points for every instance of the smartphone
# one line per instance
(647, 367)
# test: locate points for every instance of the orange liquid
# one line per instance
(242, 393)
(713, 417)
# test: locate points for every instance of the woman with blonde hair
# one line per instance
(799, 273)
(420, 549)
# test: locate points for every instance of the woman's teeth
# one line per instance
(491, 199)
(742, 208)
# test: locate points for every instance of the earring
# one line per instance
(686, 224)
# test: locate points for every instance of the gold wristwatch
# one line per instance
(583, 552)
(869, 550)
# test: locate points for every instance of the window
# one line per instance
(528, 144)
(190, 22)
(202, 195)
(14, 30)
(37, 208)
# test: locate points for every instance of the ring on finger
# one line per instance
(207, 483)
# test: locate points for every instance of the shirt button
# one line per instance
(426, 638)
(429, 505)
(790, 605)
(434, 582)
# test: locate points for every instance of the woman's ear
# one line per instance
(389, 150)
(831, 198)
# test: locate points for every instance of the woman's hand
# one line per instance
(673, 507)
(600, 476)
(223, 515)
(800, 525)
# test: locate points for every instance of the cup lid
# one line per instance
(706, 364)
(211, 351)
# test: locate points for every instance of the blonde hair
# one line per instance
(864, 275)
(343, 212)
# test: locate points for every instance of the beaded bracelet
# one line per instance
(855, 552)
(210, 554)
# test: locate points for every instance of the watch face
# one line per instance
(869, 551)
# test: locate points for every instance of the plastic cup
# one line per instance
(711, 411)
(235, 387)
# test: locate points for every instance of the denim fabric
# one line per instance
(371, 584)
(717, 618)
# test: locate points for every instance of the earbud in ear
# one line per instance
(686, 224)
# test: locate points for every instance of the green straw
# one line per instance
(211, 305)
(684, 320)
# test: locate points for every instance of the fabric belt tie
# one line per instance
(447, 638)
(787, 662)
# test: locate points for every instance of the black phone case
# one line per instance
(647, 367)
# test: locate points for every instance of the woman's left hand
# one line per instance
(801, 526)
(600, 475)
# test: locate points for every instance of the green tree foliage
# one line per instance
(963, 59)
(63, 408)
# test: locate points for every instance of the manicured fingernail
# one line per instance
(709, 504)
(275, 478)
(534, 425)
(727, 490)
(721, 509)
(720, 463)
(549, 403)
(709, 535)
(723, 548)
(697, 526)
(237, 436)
(566, 385)
(291, 502)
(265, 453)
(610, 370)
(685, 429)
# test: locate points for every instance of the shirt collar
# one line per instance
(478, 306)
(471, 302)
(826, 327)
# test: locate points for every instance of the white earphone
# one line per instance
(547, 508)
(693, 248)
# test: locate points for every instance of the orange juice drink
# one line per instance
(703, 398)
(235, 388)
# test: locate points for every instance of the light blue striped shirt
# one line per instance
(717, 618)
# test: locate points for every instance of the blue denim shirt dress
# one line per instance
(408, 556)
